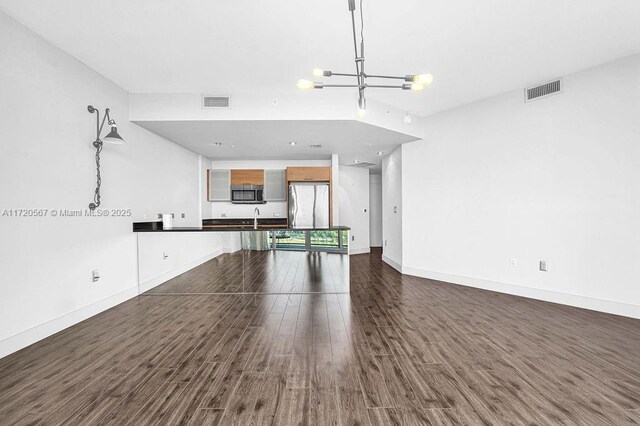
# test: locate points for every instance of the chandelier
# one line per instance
(415, 82)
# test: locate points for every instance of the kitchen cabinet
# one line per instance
(275, 185)
(218, 185)
(308, 174)
(240, 177)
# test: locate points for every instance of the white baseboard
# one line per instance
(39, 332)
(395, 265)
(227, 250)
(601, 305)
(154, 282)
(359, 251)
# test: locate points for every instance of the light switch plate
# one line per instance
(544, 266)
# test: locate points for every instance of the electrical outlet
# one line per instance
(223, 215)
(353, 238)
(276, 214)
(395, 209)
(544, 266)
(184, 215)
(95, 275)
(146, 215)
(514, 261)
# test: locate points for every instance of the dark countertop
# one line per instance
(226, 221)
(269, 225)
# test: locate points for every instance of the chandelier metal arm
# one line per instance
(343, 85)
(387, 76)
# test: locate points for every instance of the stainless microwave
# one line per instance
(247, 194)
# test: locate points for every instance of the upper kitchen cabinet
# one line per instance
(275, 185)
(243, 177)
(218, 185)
(309, 174)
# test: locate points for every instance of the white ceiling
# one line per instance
(475, 49)
(269, 139)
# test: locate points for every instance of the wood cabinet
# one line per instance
(218, 185)
(309, 174)
(247, 177)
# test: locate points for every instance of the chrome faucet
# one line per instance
(256, 213)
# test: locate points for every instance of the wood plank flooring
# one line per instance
(254, 272)
(396, 350)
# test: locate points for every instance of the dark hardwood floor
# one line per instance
(267, 271)
(396, 350)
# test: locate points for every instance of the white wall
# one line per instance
(556, 179)
(392, 208)
(270, 209)
(353, 197)
(375, 210)
(47, 162)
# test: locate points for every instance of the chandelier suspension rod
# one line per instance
(359, 60)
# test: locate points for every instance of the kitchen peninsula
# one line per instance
(268, 259)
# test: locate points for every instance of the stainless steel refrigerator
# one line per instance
(309, 205)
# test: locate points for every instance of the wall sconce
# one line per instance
(113, 137)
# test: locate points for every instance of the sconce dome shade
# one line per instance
(113, 137)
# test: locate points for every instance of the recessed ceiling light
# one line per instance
(233, 146)
(407, 119)
(380, 153)
(356, 161)
(292, 143)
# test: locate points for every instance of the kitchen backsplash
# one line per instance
(270, 209)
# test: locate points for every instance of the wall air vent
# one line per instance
(362, 164)
(215, 101)
(315, 146)
(542, 90)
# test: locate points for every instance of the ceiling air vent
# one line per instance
(542, 90)
(215, 101)
(362, 164)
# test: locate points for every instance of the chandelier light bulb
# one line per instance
(424, 79)
(304, 84)
(362, 112)
(416, 87)
(317, 72)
